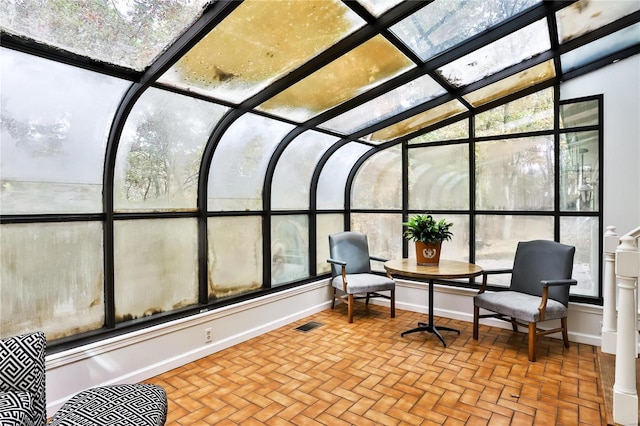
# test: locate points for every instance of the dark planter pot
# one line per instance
(428, 253)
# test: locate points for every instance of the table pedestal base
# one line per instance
(431, 329)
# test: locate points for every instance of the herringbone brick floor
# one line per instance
(365, 373)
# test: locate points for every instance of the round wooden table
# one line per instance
(445, 269)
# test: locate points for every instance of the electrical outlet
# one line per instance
(207, 335)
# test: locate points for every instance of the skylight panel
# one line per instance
(378, 7)
(259, 42)
(367, 66)
(446, 23)
(128, 33)
(585, 16)
(510, 50)
(391, 103)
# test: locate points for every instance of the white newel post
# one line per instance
(625, 395)
(608, 341)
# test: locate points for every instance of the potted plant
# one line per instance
(428, 235)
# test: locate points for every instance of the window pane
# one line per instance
(160, 152)
(458, 247)
(579, 114)
(53, 135)
(385, 106)
(580, 171)
(583, 233)
(156, 266)
(128, 33)
(527, 114)
(384, 234)
(439, 177)
(378, 7)
(378, 183)
(259, 42)
(515, 174)
(429, 31)
(327, 224)
(585, 16)
(235, 255)
(361, 69)
(51, 278)
(236, 176)
(510, 50)
(333, 178)
(289, 248)
(292, 176)
(457, 130)
(497, 238)
(418, 121)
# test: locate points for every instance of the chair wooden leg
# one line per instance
(367, 301)
(565, 332)
(532, 341)
(350, 308)
(514, 325)
(393, 303)
(476, 321)
(333, 302)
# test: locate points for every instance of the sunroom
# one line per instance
(171, 170)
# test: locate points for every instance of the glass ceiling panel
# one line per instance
(259, 42)
(378, 7)
(428, 32)
(520, 81)
(363, 68)
(129, 33)
(391, 103)
(585, 16)
(510, 50)
(333, 178)
(417, 122)
(600, 48)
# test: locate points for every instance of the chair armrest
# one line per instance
(337, 262)
(555, 283)
(378, 258)
(483, 286)
(344, 271)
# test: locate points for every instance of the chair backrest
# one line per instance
(542, 260)
(351, 247)
(22, 369)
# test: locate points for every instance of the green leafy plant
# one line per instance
(423, 227)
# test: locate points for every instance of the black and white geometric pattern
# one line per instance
(118, 405)
(15, 408)
(22, 370)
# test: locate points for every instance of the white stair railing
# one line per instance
(627, 271)
(609, 308)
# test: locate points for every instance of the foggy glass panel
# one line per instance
(333, 177)
(510, 50)
(378, 7)
(236, 176)
(155, 266)
(391, 103)
(160, 152)
(53, 135)
(384, 235)
(292, 176)
(363, 68)
(458, 247)
(289, 248)
(600, 48)
(497, 238)
(515, 174)
(378, 182)
(583, 233)
(259, 42)
(439, 177)
(428, 32)
(418, 121)
(51, 278)
(520, 81)
(577, 114)
(234, 255)
(528, 114)
(326, 224)
(585, 16)
(579, 171)
(129, 33)
(455, 131)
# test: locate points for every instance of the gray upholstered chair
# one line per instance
(23, 396)
(351, 275)
(539, 291)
